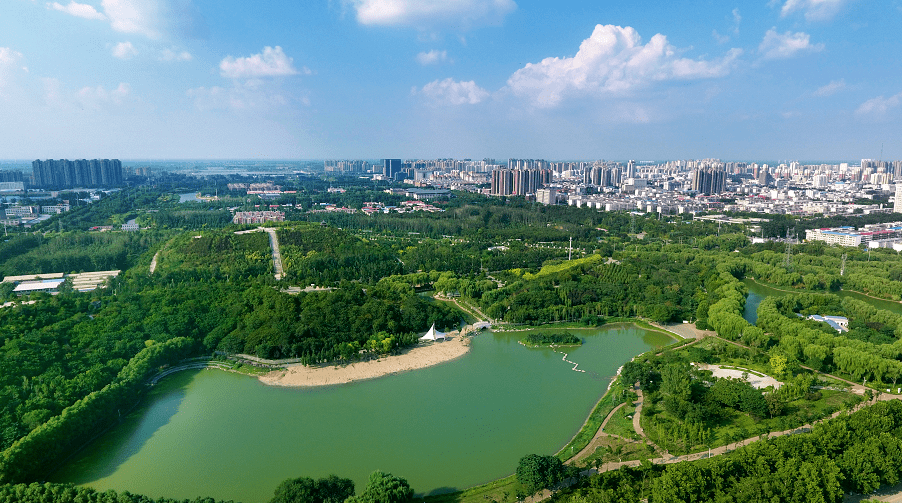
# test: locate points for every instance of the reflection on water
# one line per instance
(449, 426)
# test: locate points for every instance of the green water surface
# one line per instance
(758, 292)
(447, 427)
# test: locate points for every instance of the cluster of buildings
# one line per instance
(666, 187)
(371, 208)
(258, 217)
(887, 235)
(51, 283)
(66, 174)
(29, 215)
(264, 190)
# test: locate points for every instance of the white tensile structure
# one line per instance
(433, 335)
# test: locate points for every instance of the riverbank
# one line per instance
(417, 357)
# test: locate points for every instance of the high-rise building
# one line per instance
(708, 180)
(391, 168)
(897, 205)
(65, 174)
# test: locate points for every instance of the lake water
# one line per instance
(443, 428)
(758, 292)
(188, 197)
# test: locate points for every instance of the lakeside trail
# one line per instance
(667, 459)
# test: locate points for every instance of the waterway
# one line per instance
(443, 428)
(758, 292)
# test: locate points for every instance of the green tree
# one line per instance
(331, 489)
(384, 488)
(535, 472)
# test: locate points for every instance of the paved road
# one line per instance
(276, 254)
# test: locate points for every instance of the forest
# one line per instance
(68, 360)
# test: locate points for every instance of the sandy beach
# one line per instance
(417, 357)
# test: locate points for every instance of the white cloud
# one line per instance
(10, 65)
(424, 13)
(78, 10)
(879, 106)
(832, 88)
(786, 45)
(95, 96)
(612, 61)
(736, 20)
(815, 10)
(451, 92)
(272, 62)
(432, 57)
(57, 97)
(134, 16)
(721, 39)
(124, 50)
(253, 94)
(175, 55)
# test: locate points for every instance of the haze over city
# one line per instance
(194, 79)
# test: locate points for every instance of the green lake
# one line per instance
(443, 428)
(758, 292)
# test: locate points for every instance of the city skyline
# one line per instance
(197, 79)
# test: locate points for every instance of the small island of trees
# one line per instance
(552, 339)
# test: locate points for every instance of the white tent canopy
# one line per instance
(432, 334)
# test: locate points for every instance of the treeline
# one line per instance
(850, 454)
(823, 348)
(113, 208)
(188, 219)
(313, 254)
(74, 252)
(67, 493)
(34, 454)
(645, 282)
(216, 255)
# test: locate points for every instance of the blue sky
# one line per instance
(589, 79)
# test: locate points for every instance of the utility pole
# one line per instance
(570, 252)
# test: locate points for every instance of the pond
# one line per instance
(443, 428)
(758, 292)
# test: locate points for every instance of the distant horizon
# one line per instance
(499, 160)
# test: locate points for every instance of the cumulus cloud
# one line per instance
(78, 10)
(432, 57)
(124, 50)
(135, 16)
(272, 62)
(425, 13)
(814, 10)
(879, 106)
(451, 92)
(832, 88)
(175, 55)
(786, 45)
(612, 60)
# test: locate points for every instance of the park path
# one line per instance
(592, 445)
(717, 451)
(274, 244)
(153, 262)
(276, 254)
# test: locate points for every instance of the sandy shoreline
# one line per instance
(417, 357)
